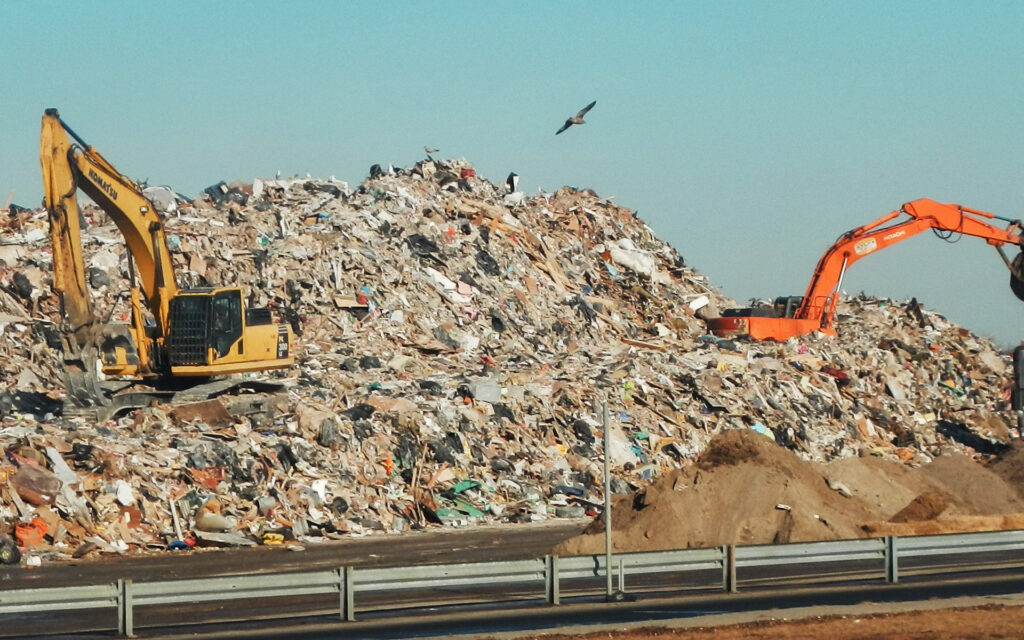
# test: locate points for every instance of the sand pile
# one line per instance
(745, 489)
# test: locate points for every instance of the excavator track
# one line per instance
(119, 397)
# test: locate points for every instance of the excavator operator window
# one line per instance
(190, 326)
(227, 320)
(786, 306)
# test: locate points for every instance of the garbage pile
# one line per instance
(456, 341)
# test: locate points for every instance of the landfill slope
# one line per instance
(455, 342)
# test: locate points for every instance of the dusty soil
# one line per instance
(745, 489)
(979, 623)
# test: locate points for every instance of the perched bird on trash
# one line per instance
(576, 119)
(512, 181)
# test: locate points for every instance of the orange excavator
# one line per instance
(793, 316)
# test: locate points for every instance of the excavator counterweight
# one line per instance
(815, 310)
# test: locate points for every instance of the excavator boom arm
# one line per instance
(815, 311)
(822, 293)
(61, 202)
(67, 167)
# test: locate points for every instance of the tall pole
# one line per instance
(607, 501)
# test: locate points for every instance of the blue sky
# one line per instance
(748, 134)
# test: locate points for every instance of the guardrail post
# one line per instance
(551, 580)
(125, 613)
(347, 593)
(622, 575)
(729, 568)
(339, 574)
(892, 563)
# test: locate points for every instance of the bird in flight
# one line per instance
(430, 150)
(576, 119)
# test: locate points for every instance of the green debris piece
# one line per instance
(468, 509)
(465, 485)
(642, 436)
(945, 385)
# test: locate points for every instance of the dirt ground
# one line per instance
(990, 622)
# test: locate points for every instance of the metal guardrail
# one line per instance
(236, 587)
(448, 575)
(546, 573)
(918, 546)
(635, 564)
(811, 552)
(59, 598)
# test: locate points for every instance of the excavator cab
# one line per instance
(782, 307)
(211, 332)
(786, 306)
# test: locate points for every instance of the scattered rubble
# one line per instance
(456, 340)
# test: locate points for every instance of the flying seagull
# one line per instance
(430, 150)
(576, 119)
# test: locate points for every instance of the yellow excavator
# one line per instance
(174, 333)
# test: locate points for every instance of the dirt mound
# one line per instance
(927, 506)
(971, 489)
(734, 448)
(955, 524)
(885, 485)
(1010, 466)
(748, 490)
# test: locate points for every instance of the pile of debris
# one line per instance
(456, 341)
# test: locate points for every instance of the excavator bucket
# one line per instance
(1017, 275)
(81, 381)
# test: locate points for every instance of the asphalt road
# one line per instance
(473, 544)
(432, 546)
